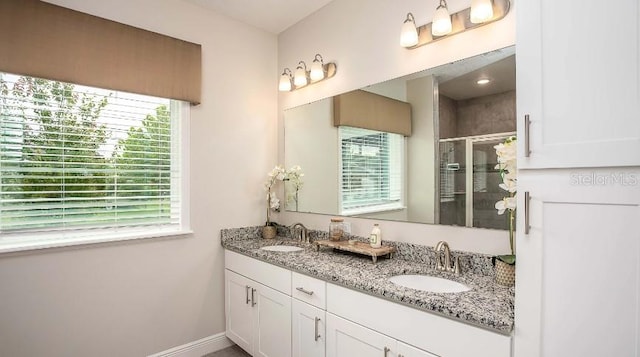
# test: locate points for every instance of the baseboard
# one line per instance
(198, 348)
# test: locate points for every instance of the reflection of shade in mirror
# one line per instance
(438, 122)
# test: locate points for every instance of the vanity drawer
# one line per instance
(309, 290)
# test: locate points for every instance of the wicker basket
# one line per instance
(505, 273)
(269, 232)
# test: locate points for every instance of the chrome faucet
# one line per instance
(446, 266)
(300, 233)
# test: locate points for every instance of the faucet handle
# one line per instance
(456, 266)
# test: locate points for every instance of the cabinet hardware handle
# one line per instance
(386, 350)
(317, 335)
(400, 355)
(246, 294)
(253, 301)
(527, 125)
(302, 290)
(527, 200)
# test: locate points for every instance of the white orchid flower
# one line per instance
(507, 203)
(508, 185)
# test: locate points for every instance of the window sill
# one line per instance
(28, 242)
(374, 209)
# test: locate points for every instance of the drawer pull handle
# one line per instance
(527, 126)
(302, 290)
(386, 350)
(246, 293)
(253, 301)
(317, 335)
(527, 223)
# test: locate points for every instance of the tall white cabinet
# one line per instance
(578, 269)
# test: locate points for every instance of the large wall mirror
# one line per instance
(417, 148)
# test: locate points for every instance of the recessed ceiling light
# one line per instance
(483, 81)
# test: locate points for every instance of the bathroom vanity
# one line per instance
(302, 302)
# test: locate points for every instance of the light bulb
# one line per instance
(300, 78)
(409, 33)
(441, 24)
(317, 70)
(481, 11)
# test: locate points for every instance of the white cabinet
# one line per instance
(239, 319)
(578, 275)
(429, 332)
(308, 330)
(258, 317)
(348, 339)
(578, 80)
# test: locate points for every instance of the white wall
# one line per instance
(138, 298)
(363, 39)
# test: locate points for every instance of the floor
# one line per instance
(233, 351)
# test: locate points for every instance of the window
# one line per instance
(372, 170)
(81, 164)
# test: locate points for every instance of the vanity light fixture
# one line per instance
(441, 20)
(409, 33)
(480, 13)
(317, 69)
(301, 77)
(285, 81)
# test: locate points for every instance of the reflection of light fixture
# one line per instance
(483, 81)
(317, 69)
(480, 13)
(409, 33)
(441, 24)
(285, 81)
(301, 77)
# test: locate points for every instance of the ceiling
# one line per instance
(273, 16)
(502, 76)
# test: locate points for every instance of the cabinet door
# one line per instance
(405, 350)
(272, 321)
(578, 79)
(239, 313)
(308, 330)
(578, 270)
(348, 339)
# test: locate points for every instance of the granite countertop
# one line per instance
(487, 305)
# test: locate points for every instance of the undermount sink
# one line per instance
(429, 283)
(282, 248)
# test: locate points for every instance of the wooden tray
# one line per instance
(357, 247)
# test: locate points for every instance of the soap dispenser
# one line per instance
(375, 239)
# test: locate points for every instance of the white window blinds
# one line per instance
(75, 157)
(372, 173)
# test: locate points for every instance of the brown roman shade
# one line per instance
(367, 110)
(48, 41)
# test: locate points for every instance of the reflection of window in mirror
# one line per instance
(371, 171)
